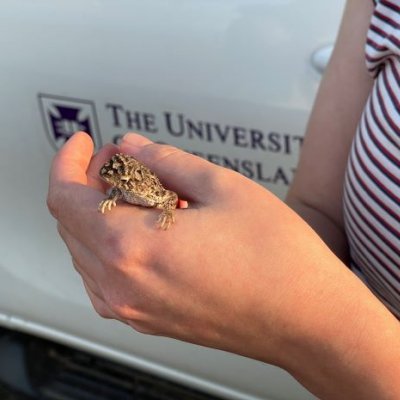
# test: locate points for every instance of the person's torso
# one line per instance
(372, 186)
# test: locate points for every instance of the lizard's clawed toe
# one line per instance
(166, 219)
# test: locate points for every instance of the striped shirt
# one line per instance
(372, 184)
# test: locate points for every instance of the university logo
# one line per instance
(63, 116)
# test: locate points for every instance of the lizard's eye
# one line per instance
(125, 178)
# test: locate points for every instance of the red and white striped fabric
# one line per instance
(372, 185)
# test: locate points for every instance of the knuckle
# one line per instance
(100, 308)
(231, 180)
(114, 253)
(56, 200)
(121, 311)
(121, 254)
(217, 180)
(102, 312)
(53, 203)
(134, 311)
(142, 327)
(124, 310)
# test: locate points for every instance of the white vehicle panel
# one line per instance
(231, 80)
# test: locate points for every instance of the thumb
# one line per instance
(71, 162)
(68, 171)
(191, 177)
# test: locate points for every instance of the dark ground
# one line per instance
(6, 394)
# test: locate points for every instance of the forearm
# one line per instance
(345, 344)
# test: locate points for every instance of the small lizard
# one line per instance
(133, 182)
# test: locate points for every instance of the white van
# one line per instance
(230, 80)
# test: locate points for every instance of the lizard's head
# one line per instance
(117, 171)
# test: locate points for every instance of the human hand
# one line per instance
(238, 270)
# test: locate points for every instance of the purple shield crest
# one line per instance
(63, 116)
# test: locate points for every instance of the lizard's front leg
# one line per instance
(111, 201)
